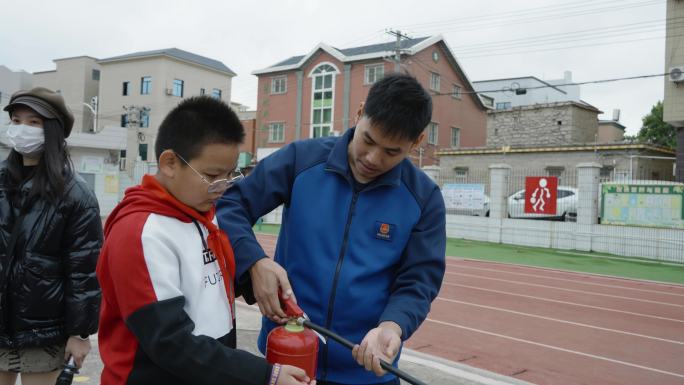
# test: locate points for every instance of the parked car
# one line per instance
(566, 205)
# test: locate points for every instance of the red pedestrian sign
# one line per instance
(540, 194)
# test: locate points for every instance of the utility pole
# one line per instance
(397, 48)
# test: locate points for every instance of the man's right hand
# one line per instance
(267, 276)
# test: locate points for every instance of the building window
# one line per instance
(279, 85)
(276, 132)
(216, 93)
(503, 106)
(434, 81)
(124, 88)
(456, 92)
(461, 174)
(202, 91)
(433, 133)
(323, 79)
(144, 118)
(145, 85)
(96, 75)
(373, 73)
(124, 120)
(178, 87)
(455, 137)
(122, 160)
(142, 151)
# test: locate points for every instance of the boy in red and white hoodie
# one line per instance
(167, 271)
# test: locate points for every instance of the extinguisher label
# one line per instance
(384, 231)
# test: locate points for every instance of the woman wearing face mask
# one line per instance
(50, 237)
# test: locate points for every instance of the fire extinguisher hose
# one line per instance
(349, 345)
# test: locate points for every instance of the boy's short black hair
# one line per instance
(196, 122)
(399, 106)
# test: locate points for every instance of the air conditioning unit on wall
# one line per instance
(676, 74)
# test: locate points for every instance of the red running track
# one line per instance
(553, 327)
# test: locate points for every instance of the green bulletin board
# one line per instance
(643, 205)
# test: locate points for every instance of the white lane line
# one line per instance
(642, 260)
(567, 272)
(562, 321)
(566, 302)
(557, 348)
(458, 370)
(568, 290)
(542, 276)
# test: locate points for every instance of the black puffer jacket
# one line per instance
(48, 287)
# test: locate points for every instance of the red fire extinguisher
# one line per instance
(292, 344)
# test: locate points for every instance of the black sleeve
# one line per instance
(82, 243)
(243, 287)
(164, 332)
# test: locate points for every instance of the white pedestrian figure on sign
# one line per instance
(538, 201)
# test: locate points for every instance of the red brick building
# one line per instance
(318, 94)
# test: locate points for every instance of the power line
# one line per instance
(466, 56)
(472, 23)
(364, 38)
(563, 84)
(594, 33)
(508, 13)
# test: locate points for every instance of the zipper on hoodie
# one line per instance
(340, 259)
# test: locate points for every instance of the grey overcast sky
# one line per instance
(596, 40)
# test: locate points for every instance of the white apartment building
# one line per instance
(108, 139)
(149, 84)
(528, 90)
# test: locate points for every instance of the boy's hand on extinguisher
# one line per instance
(383, 342)
(292, 375)
(267, 276)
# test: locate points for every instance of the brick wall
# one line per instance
(542, 125)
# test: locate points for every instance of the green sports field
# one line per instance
(587, 262)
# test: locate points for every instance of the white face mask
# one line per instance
(25, 139)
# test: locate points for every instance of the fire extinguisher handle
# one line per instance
(349, 345)
(289, 306)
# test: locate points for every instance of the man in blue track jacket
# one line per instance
(363, 237)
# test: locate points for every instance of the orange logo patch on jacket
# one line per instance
(384, 231)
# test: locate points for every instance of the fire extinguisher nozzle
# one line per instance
(348, 344)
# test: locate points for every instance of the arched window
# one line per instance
(322, 100)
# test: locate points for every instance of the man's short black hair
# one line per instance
(399, 106)
(196, 122)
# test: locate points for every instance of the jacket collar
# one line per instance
(338, 161)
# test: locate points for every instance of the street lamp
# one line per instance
(93, 102)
